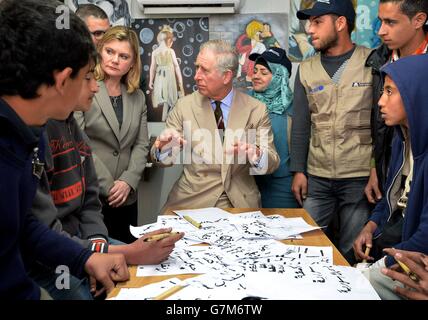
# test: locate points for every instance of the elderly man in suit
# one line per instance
(226, 136)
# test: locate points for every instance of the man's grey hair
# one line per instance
(87, 10)
(227, 58)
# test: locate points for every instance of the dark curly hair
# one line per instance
(33, 45)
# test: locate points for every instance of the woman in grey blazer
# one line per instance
(117, 127)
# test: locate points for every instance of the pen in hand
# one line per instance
(160, 236)
(407, 270)
(367, 252)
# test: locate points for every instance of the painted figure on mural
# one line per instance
(268, 38)
(249, 42)
(165, 73)
(300, 46)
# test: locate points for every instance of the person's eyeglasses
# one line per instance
(98, 34)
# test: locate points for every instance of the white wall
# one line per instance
(265, 6)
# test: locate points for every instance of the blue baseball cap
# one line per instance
(321, 7)
(274, 55)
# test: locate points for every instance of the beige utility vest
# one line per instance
(340, 143)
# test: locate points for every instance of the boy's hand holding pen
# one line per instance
(406, 269)
(151, 248)
(399, 257)
(160, 236)
(367, 252)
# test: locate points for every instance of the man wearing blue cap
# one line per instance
(330, 141)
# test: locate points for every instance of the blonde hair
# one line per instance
(165, 34)
(132, 78)
(253, 27)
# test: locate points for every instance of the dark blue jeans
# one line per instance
(46, 278)
(343, 199)
(79, 288)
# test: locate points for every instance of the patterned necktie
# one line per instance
(218, 115)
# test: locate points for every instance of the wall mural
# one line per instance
(365, 33)
(367, 24)
(250, 34)
(168, 50)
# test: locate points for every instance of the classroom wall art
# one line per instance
(367, 24)
(168, 51)
(250, 33)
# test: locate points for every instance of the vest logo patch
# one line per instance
(361, 84)
(316, 89)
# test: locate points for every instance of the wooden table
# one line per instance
(311, 238)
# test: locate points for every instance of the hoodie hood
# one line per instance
(410, 76)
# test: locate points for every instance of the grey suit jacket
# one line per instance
(119, 154)
(208, 171)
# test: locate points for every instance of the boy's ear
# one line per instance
(61, 78)
(419, 19)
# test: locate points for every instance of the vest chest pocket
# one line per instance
(315, 140)
(321, 134)
(316, 101)
(361, 98)
(356, 151)
(364, 138)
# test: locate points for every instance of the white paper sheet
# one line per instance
(205, 214)
(190, 260)
(270, 227)
(318, 282)
(176, 223)
(147, 292)
(243, 260)
(213, 286)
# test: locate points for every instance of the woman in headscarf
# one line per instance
(272, 70)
